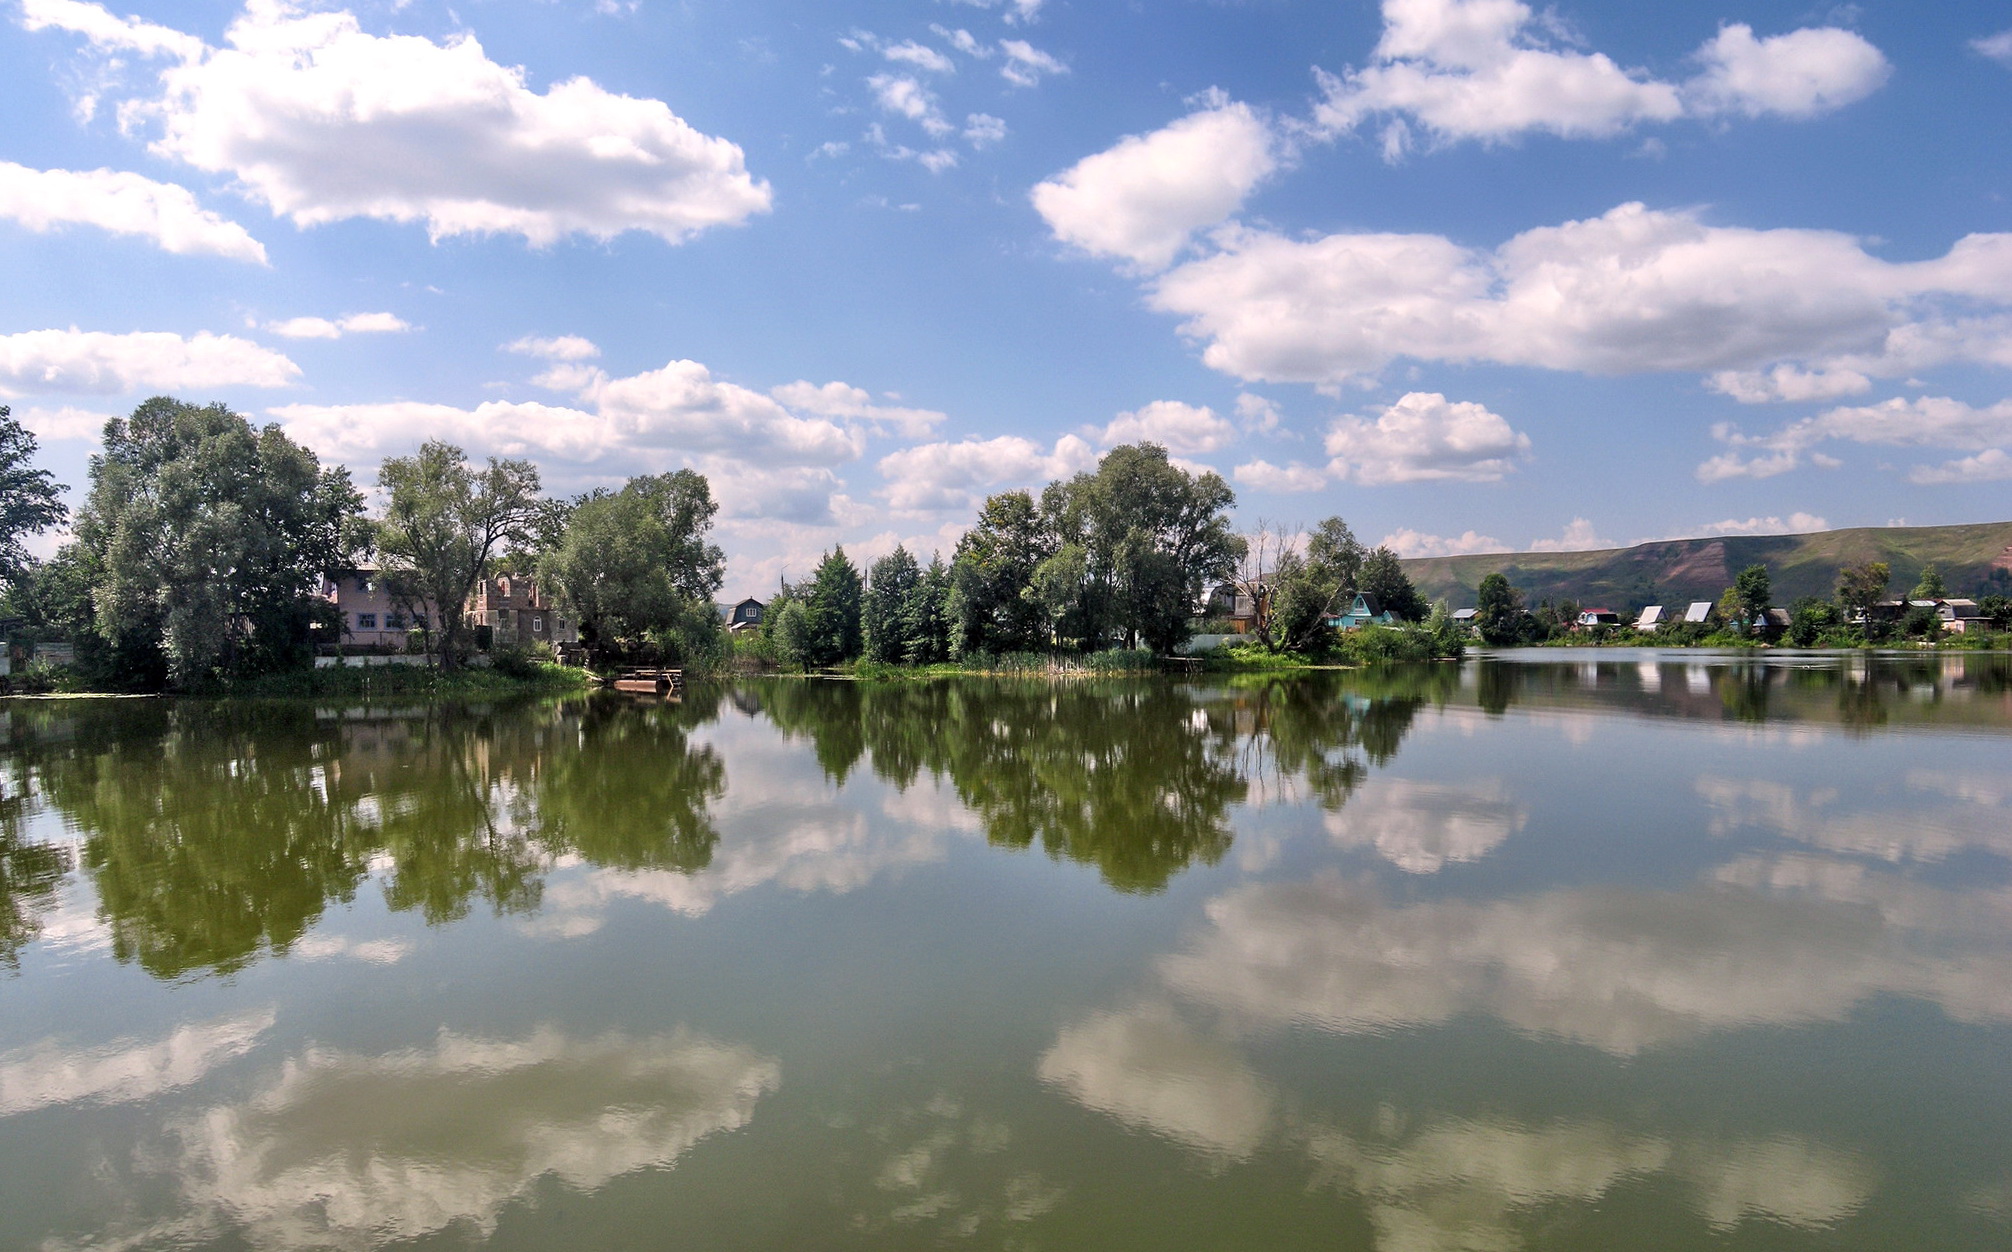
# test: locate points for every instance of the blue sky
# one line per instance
(1473, 274)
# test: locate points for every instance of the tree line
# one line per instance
(199, 550)
(1121, 557)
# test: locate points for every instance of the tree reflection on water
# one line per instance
(213, 833)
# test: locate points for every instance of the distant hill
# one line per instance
(1974, 560)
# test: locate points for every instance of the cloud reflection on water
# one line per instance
(1434, 1183)
(348, 1150)
(1618, 969)
(1421, 827)
(46, 1074)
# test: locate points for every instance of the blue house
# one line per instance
(1364, 612)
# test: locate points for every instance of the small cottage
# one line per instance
(1651, 618)
(1364, 611)
(743, 615)
(1598, 617)
(1959, 617)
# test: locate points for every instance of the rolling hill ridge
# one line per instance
(1974, 560)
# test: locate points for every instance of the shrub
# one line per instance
(1121, 660)
(1373, 644)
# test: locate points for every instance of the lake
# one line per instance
(1551, 950)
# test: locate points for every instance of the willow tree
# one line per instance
(636, 564)
(208, 539)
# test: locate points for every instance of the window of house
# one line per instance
(363, 585)
(419, 620)
(366, 621)
(394, 621)
(537, 625)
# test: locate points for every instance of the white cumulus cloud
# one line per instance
(1143, 198)
(905, 97)
(124, 204)
(921, 56)
(1793, 524)
(1799, 74)
(1992, 465)
(1998, 47)
(1262, 475)
(1424, 437)
(1919, 422)
(1579, 536)
(982, 129)
(1183, 429)
(780, 450)
(954, 476)
(1025, 65)
(336, 328)
(1788, 384)
(557, 348)
(65, 422)
(1633, 290)
(1411, 543)
(846, 402)
(1486, 70)
(322, 121)
(89, 362)
(103, 29)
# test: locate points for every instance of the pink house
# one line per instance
(370, 619)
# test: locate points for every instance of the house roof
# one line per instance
(1650, 615)
(1699, 611)
(1465, 615)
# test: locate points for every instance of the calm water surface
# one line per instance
(1554, 951)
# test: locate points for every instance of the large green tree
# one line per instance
(1383, 576)
(884, 615)
(925, 615)
(635, 565)
(208, 539)
(444, 523)
(1859, 587)
(1154, 537)
(30, 499)
(995, 561)
(831, 609)
(1312, 587)
(1498, 611)
(1754, 591)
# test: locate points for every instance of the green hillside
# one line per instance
(1974, 560)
